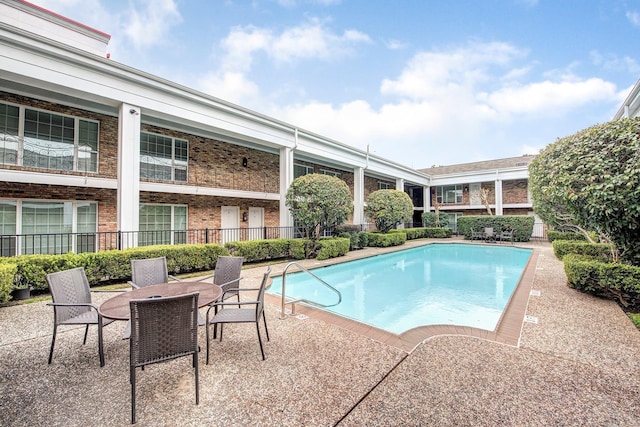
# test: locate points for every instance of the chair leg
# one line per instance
(207, 335)
(100, 343)
(264, 318)
(195, 366)
(260, 339)
(86, 331)
(221, 329)
(53, 341)
(132, 380)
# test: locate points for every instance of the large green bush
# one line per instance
(379, 240)
(424, 232)
(388, 208)
(332, 247)
(522, 225)
(433, 220)
(591, 180)
(258, 250)
(553, 235)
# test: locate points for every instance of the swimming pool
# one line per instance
(449, 284)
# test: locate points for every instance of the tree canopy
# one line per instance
(591, 181)
(388, 208)
(316, 200)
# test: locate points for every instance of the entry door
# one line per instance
(474, 194)
(256, 223)
(230, 224)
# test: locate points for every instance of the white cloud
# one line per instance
(229, 86)
(151, 24)
(634, 18)
(614, 62)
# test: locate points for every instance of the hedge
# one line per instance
(380, 240)
(332, 247)
(553, 235)
(258, 250)
(522, 225)
(105, 266)
(424, 232)
(617, 281)
(602, 251)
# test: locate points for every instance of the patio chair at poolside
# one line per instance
(477, 235)
(489, 234)
(227, 275)
(228, 314)
(147, 272)
(162, 329)
(506, 236)
(72, 305)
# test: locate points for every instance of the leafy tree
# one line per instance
(316, 200)
(435, 219)
(591, 181)
(388, 208)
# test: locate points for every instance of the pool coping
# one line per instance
(507, 331)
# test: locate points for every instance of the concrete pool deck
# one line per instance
(578, 365)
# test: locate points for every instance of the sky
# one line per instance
(418, 82)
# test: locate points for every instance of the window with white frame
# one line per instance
(384, 185)
(47, 140)
(47, 227)
(162, 225)
(163, 158)
(301, 170)
(449, 194)
(331, 173)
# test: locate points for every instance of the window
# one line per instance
(162, 225)
(384, 185)
(51, 227)
(449, 194)
(331, 173)
(8, 227)
(163, 158)
(48, 141)
(301, 170)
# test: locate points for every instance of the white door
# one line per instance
(474, 194)
(230, 224)
(256, 223)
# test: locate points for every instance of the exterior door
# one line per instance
(256, 223)
(474, 194)
(230, 224)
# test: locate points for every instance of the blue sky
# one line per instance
(422, 82)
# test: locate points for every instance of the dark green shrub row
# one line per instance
(379, 240)
(522, 225)
(552, 235)
(333, 247)
(112, 266)
(611, 280)
(259, 250)
(602, 251)
(357, 240)
(424, 232)
(7, 273)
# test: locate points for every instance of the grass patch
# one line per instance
(635, 318)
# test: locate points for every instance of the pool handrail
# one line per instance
(293, 302)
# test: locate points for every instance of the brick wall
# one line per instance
(371, 185)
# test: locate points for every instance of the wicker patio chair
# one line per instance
(227, 275)
(506, 236)
(72, 305)
(477, 235)
(162, 329)
(229, 314)
(147, 272)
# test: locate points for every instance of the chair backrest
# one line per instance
(228, 269)
(163, 328)
(263, 288)
(147, 272)
(488, 231)
(69, 287)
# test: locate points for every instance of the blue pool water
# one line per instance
(452, 284)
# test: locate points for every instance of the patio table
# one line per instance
(118, 307)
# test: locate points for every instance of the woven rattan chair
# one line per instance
(72, 305)
(227, 275)
(147, 272)
(162, 329)
(232, 312)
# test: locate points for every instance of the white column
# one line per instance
(400, 186)
(129, 173)
(498, 190)
(358, 196)
(286, 178)
(426, 197)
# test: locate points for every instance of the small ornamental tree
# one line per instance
(388, 208)
(316, 200)
(590, 181)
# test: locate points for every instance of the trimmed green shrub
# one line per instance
(617, 281)
(7, 273)
(332, 247)
(423, 232)
(358, 239)
(602, 251)
(258, 250)
(553, 235)
(298, 248)
(379, 240)
(522, 225)
(388, 208)
(431, 220)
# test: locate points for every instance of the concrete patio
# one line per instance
(578, 365)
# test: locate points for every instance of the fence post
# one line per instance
(119, 240)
